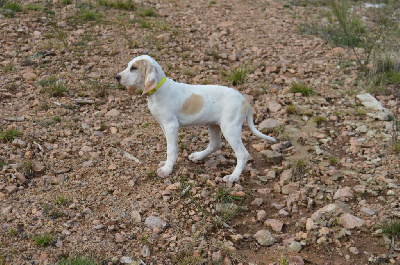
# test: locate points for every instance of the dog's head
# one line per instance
(142, 73)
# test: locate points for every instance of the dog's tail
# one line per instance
(253, 129)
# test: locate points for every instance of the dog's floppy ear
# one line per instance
(148, 72)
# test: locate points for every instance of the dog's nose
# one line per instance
(118, 77)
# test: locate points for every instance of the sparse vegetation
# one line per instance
(43, 240)
(302, 89)
(238, 75)
(334, 161)
(77, 260)
(52, 211)
(145, 24)
(28, 168)
(147, 12)
(88, 15)
(299, 169)
(56, 89)
(34, 7)
(283, 260)
(119, 4)
(151, 173)
(319, 120)
(291, 109)
(12, 232)
(397, 147)
(188, 73)
(61, 200)
(15, 7)
(391, 229)
(66, 2)
(9, 135)
(8, 68)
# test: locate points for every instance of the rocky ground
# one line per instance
(79, 178)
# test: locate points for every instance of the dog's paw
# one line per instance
(162, 163)
(196, 156)
(229, 179)
(163, 172)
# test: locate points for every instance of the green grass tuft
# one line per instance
(319, 120)
(147, 12)
(302, 89)
(396, 147)
(34, 7)
(56, 119)
(57, 89)
(391, 229)
(334, 160)
(88, 15)
(151, 173)
(78, 260)
(44, 240)
(238, 75)
(9, 135)
(15, 7)
(119, 4)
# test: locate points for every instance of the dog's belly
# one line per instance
(197, 120)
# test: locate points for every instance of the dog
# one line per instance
(174, 104)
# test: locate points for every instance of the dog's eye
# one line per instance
(133, 68)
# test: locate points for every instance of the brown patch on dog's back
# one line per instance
(193, 104)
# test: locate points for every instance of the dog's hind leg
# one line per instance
(232, 133)
(214, 145)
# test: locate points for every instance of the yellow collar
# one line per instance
(158, 86)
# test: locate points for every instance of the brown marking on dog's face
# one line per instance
(245, 107)
(193, 104)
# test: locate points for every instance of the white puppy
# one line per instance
(176, 104)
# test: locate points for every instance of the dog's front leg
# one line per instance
(171, 134)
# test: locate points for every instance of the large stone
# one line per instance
(373, 104)
(29, 76)
(38, 167)
(11, 188)
(273, 106)
(309, 224)
(367, 211)
(295, 246)
(349, 221)
(225, 24)
(269, 125)
(119, 238)
(272, 156)
(216, 256)
(113, 113)
(296, 260)
(136, 217)
(126, 260)
(343, 193)
(290, 188)
(264, 238)
(155, 222)
(279, 147)
(261, 215)
(19, 143)
(286, 176)
(276, 225)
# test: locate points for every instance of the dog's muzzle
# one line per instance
(118, 77)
